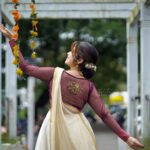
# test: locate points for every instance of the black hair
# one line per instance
(89, 54)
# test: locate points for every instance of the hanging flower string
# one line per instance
(34, 31)
(16, 15)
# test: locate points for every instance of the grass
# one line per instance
(146, 144)
(5, 139)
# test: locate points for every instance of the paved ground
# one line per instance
(106, 139)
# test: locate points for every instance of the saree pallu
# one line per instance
(64, 127)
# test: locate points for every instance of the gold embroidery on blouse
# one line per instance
(73, 87)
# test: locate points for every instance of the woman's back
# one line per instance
(75, 90)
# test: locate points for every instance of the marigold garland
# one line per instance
(15, 1)
(16, 15)
(34, 31)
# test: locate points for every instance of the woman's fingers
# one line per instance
(2, 28)
(5, 31)
(138, 144)
(136, 147)
(134, 143)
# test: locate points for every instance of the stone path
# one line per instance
(106, 139)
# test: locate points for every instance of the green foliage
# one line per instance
(147, 144)
(5, 139)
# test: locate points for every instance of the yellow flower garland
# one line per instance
(16, 16)
(34, 31)
(15, 36)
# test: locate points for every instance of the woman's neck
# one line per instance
(74, 68)
(75, 71)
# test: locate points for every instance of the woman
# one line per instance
(65, 127)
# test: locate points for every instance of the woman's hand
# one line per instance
(5, 32)
(134, 143)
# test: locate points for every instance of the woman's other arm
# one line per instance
(97, 104)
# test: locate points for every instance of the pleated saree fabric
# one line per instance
(65, 127)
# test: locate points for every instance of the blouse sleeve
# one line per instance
(43, 73)
(97, 104)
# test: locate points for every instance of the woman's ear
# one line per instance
(79, 61)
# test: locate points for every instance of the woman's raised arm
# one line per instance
(42, 73)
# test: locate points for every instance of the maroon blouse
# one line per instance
(75, 91)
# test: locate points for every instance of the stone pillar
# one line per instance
(11, 92)
(145, 69)
(31, 100)
(132, 75)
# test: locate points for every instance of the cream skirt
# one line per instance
(64, 127)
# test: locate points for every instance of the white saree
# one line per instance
(65, 127)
